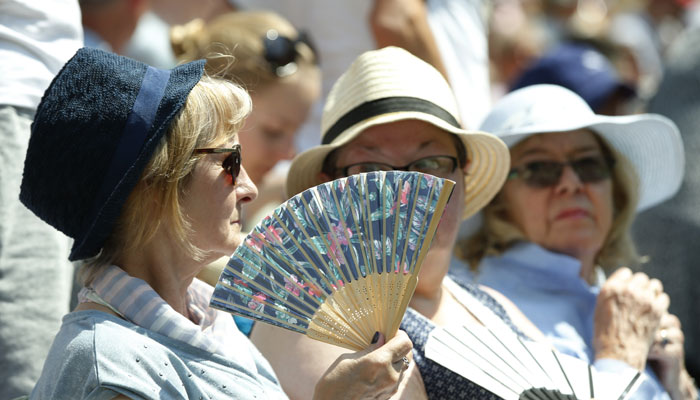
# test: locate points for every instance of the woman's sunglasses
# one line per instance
(541, 174)
(232, 162)
(281, 52)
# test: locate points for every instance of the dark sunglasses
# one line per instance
(232, 162)
(441, 166)
(281, 52)
(541, 174)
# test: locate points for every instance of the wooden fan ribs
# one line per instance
(340, 260)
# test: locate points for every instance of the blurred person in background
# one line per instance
(648, 28)
(109, 24)
(668, 233)
(450, 35)
(36, 38)
(583, 69)
(276, 64)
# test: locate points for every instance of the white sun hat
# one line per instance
(389, 85)
(650, 142)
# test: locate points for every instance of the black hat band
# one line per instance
(138, 124)
(387, 105)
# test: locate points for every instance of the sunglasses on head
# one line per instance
(232, 162)
(281, 52)
(541, 174)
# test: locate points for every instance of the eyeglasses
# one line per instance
(232, 162)
(434, 165)
(541, 174)
(281, 52)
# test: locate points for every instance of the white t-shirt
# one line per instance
(36, 38)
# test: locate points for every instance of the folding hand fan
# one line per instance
(338, 261)
(515, 369)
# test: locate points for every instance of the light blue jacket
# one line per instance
(547, 288)
(97, 356)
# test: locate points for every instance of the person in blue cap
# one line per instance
(142, 168)
(584, 70)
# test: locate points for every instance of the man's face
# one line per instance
(399, 144)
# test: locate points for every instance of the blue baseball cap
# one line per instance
(579, 68)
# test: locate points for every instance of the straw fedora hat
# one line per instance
(650, 142)
(389, 85)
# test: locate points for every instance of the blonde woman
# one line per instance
(141, 167)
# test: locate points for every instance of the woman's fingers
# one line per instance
(371, 373)
(628, 314)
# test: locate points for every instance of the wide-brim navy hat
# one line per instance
(94, 132)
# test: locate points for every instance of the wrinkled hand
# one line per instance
(627, 317)
(667, 358)
(374, 373)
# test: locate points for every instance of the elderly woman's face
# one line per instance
(569, 216)
(212, 204)
(401, 143)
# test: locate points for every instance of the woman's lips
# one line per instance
(573, 213)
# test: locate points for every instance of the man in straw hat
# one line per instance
(390, 110)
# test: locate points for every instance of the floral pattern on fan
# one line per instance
(338, 261)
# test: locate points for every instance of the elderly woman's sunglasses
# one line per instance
(541, 174)
(232, 162)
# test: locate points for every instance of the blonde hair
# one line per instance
(213, 113)
(233, 46)
(497, 233)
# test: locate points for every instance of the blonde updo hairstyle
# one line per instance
(213, 113)
(498, 233)
(234, 48)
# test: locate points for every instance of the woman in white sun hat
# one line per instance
(562, 221)
(391, 109)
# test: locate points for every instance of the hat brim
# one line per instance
(652, 144)
(489, 159)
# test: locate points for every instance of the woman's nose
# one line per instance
(246, 191)
(569, 180)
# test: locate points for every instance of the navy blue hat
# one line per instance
(579, 68)
(94, 131)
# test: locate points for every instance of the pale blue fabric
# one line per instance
(97, 356)
(546, 286)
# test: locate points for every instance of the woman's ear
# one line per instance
(465, 167)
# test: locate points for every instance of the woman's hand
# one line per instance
(374, 373)
(627, 317)
(667, 359)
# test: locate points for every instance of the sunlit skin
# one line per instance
(279, 110)
(570, 217)
(212, 205)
